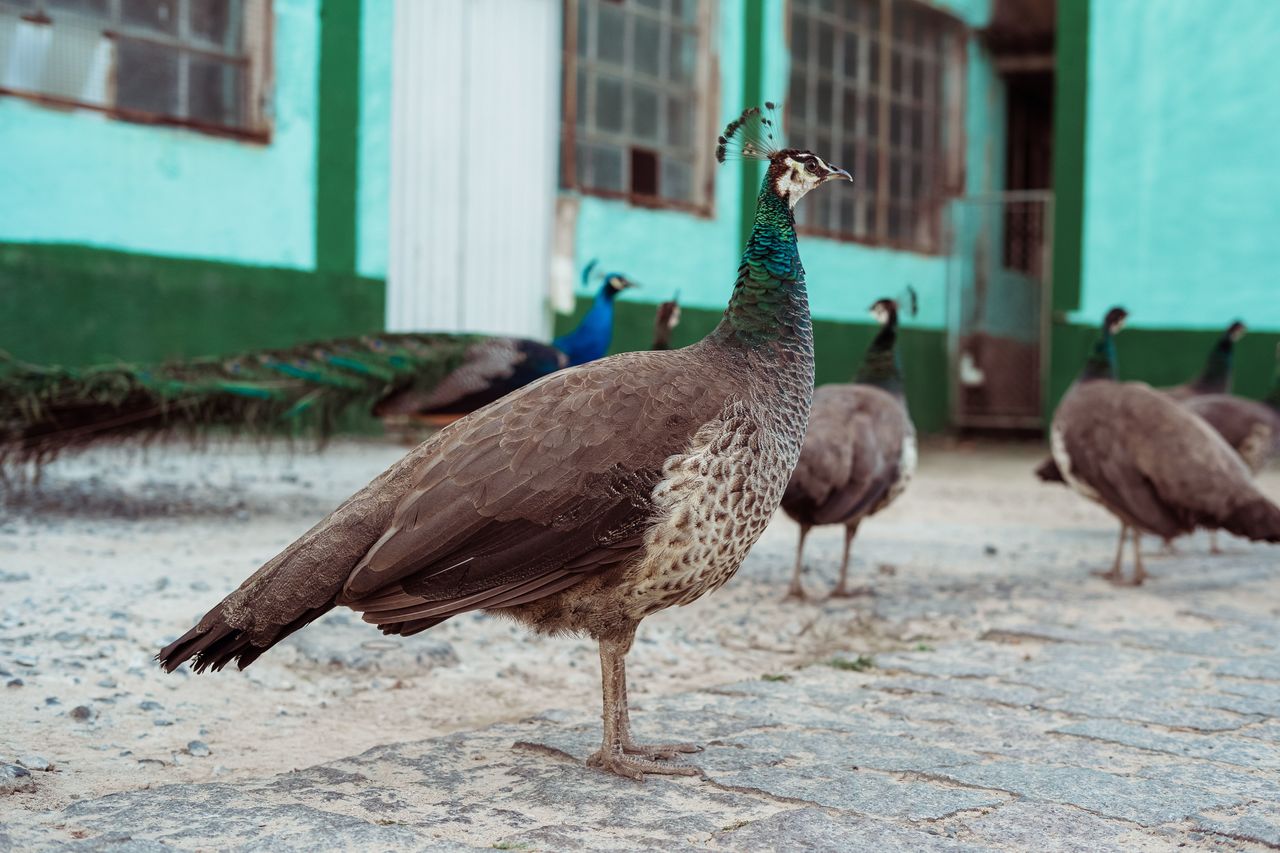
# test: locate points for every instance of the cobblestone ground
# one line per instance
(991, 696)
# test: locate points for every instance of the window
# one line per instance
(868, 89)
(201, 63)
(636, 111)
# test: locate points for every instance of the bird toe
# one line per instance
(635, 767)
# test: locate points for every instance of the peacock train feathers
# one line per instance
(46, 411)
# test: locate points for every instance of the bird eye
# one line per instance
(811, 167)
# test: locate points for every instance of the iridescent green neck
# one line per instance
(1101, 363)
(881, 366)
(769, 299)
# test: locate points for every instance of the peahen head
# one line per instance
(885, 312)
(793, 172)
(1235, 332)
(1114, 321)
(1101, 363)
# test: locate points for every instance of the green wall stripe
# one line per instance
(338, 136)
(752, 82)
(1070, 106)
(1070, 110)
(75, 305)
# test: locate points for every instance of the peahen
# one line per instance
(583, 502)
(1214, 379)
(46, 411)
(665, 320)
(1156, 466)
(860, 451)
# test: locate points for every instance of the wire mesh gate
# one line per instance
(998, 282)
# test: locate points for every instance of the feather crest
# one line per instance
(754, 135)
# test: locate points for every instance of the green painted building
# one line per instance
(193, 177)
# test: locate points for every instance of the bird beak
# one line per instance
(838, 175)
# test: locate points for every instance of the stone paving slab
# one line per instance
(928, 751)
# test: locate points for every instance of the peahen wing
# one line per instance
(546, 486)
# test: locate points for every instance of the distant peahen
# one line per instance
(665, 321)
(584, 502)
(860, 450)
(47, 411)
(1156, 466)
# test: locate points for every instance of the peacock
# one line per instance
(860, 451)
(591, 339)
(665, 321)
(581, 503)
(1154, 464)
(305, 390)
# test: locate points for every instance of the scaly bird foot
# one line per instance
(1113, 575)
(852, 592)
(657, 751)
(635, 768)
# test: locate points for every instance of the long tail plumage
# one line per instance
(46, 411)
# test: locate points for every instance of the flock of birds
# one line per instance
(1166, 462)
(574, 493)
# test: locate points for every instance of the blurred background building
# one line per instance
(190, 177)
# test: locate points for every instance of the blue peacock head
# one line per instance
(793, 172)
(611, 284)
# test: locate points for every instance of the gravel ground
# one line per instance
(991, 691)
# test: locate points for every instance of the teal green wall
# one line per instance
(71, 176)
(374, 197)
(667, 250)
(1182, 177)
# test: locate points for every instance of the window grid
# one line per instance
(635, 96)
(198, 63)
(878, 112)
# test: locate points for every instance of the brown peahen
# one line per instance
(583, 502)
(1156, 466)
(860, 451)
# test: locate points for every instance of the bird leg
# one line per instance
(1116, 575)
(613, 755)
(842, 589)
(652, 751)
(1213, 542)
(1139, 570)
(796, 590)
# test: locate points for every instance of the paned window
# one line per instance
(636, 100)
(201, 63)
(869, 90)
